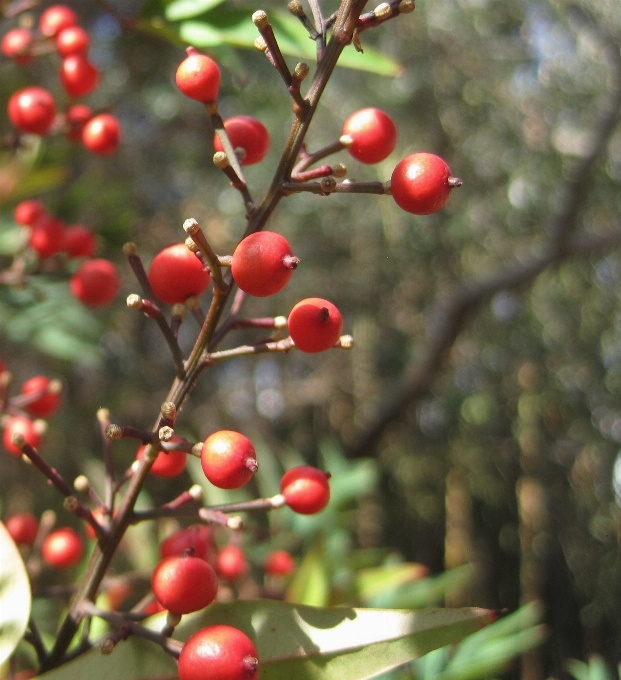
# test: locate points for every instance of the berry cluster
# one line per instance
(33, 109)
(95, 282)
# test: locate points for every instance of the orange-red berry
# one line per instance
(373, 133)
(184, 584)
(199, 537)
(45, 405)
(231, 563)
(23, 528)
(78, 75)
(102, 134)
(263, 263)
(249, 134)
(55, 19)
(32, 109)
(46, 237)
(167, 463)
(96, 283)
(76, 118)
(23, 426)
(63, 548)
(17, 45)
(198, 77)
(176, 273)
(72, 40)
(228, 459)
(279, 563)
(219, 653)
(314, 325)
(420, 183)
(27, 212)
(79, 241)
(306, 489)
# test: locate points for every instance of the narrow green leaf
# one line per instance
(598, 669)
(15, 599)
(377, 580)
(294, 641)
(310, 584)
(186, 9)
(578, 669)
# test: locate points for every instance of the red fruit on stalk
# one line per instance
(17, 45)
(76, 118)
(176, 273)
(27, 212)
(421, 183)
(102, 134)
(72, 40)
(47, 403)
(279, 563)
(314, 325)
(78, 75)
(263, 263)
(63, 548)
(26, 428)
(228, 459)
(218, 653)
(198, 77)
(247, 133)
(184, 584)
(167, 464)
(47, 235)
(199, 537)
(95, 283)
(373, 133)
(23, 528)
(306, 489)
(231, 563)
(79, 241)
(55, 19)
(32, 110)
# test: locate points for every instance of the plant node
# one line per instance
(71, 503)
(166, 433)
(260, 44)
(134, 301)
(169, 410)
(407, 6)
(81, 483)
(382, 11)
(114, 431)
(296, 8)
(301, 70)
(130, 249)
(259, 19)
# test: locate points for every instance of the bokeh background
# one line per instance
(484, 389)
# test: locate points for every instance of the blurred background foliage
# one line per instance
(505, 459)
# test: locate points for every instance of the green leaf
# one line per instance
(578, 669)
(234, 27)
(15, 599)
(186, 9)
(377, 580)
(294, 641)
(311, 584)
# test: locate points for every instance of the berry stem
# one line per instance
(310, 159)
(345, 187)
(218, 125)
(296, 8)
(131, 253)
(246, 350)
(192, 228)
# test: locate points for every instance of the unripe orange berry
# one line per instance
(198, 77)
(228, 459)
(314, 325)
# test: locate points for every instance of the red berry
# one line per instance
(55, 19)
(47, 236)
(263, 263)
(76, 118)
(63, 548)
(32, 110)
(249, 134)
(27, 212)
(23, 528)
(373, 133)
(95, 283)
(102, 134)
(279, 563)
(154, 608)
(26, 428)
(78, 75)
(184, 584)
(167, 464)
(306, 489)
(176, 273)
(231, 563)
(198, 77)
(228, 459)
(314, 325)
(420, 183)
(47, 403)
(79, 241)
(199, 537)
(218, 653)
(72, 40)
(17, 45)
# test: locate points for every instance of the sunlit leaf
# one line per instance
(185, 9)
(310, 584)
(15, 597)
(377, 580)
(293, 641)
